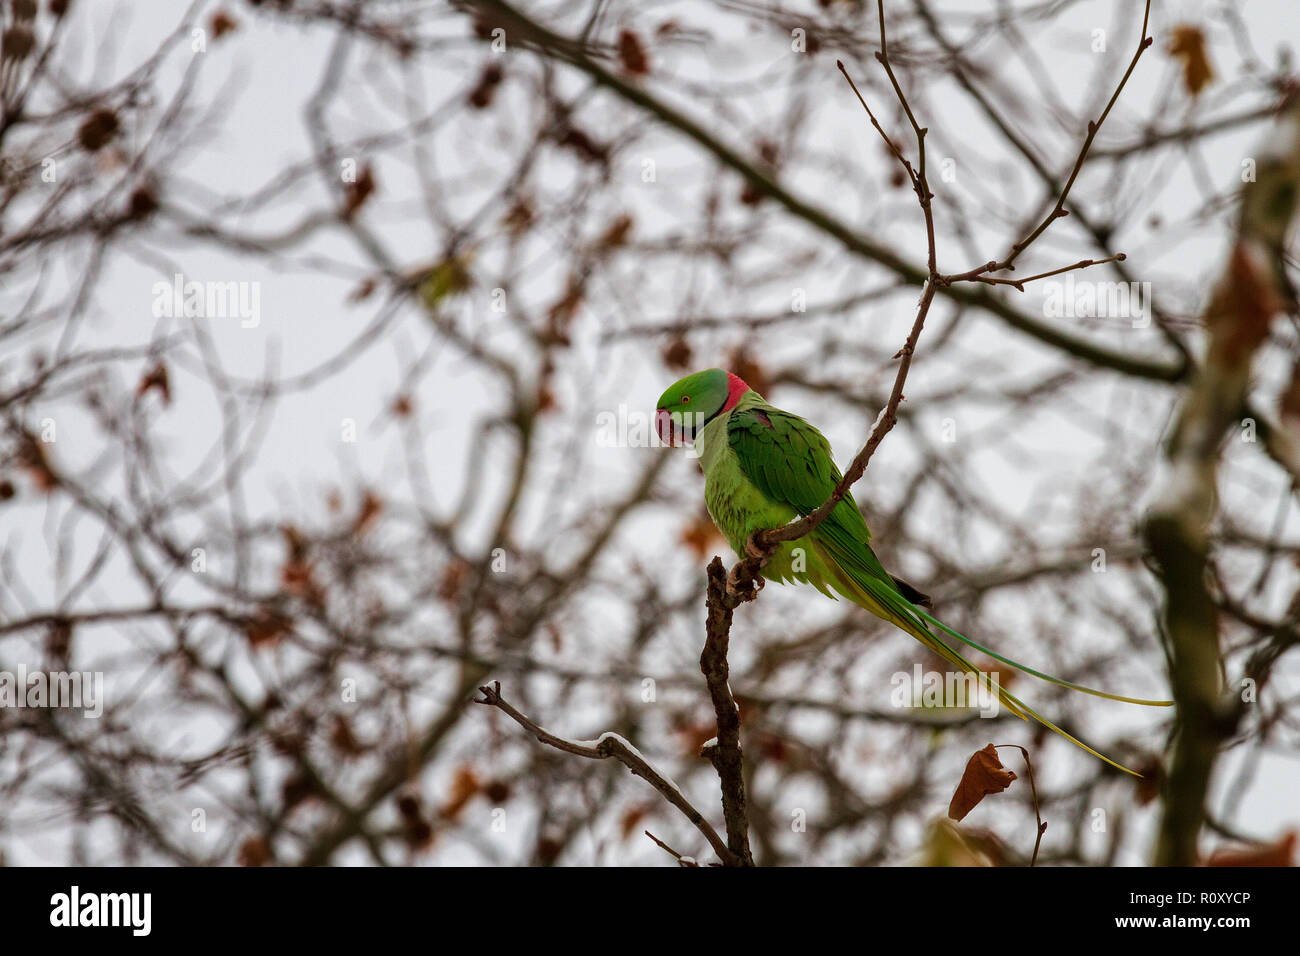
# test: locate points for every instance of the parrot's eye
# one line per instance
(686, 399)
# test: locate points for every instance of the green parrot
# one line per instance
(764, 467)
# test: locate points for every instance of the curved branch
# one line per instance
(612, 745)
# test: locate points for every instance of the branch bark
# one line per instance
(1240, 312)
(612, 745)
(725, 754)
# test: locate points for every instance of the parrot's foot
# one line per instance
(744, 585)
(756, 550)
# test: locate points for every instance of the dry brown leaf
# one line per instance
(297, 573)
(142, 204)
(696, 735)
(519, 217)
(548, 850)
(677, 354)
(222, 23)
(616, 234)
(560, 315)
(751, 194)
(295, 541)
(1289, 404)
(364, 290)
(1243, 307)
(33, 458)
(267, 627)
(465, 785)
(254, 852)
(774, 748)
(984, 774)
(296, 580)
(1187, 44)
(582, 144)
(296, 789)
(408, 805)
(419, 834)
(1281, 853)
(358, 191)
(701, 535)
(485, 89)
(417, 831)
(1147, 787)
(496, 791)
(632, 53)
(371, 506)
(454, 576)
(97, 130)
(343, 739)
(740, 363)
(632, 818)
(58, 641)
(18, 41)
(288, 741)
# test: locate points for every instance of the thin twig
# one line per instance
(763, 543)
(612, 745)
(1019, 284)
(681, 860)
(921, 183)
(1059, 211)
(1033, 790)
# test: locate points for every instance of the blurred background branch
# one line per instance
(1249, 296)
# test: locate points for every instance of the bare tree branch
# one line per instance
(612, 745)
(1239, 316)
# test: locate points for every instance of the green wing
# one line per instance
(790, 461)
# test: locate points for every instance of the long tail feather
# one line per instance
(893, 607)
(1074, 740)
(1007, 699)
(952, 657)
(1039, 674)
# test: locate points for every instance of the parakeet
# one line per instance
(764, 467)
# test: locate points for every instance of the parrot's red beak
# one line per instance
(664, 426)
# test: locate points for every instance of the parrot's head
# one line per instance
(692, 402)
